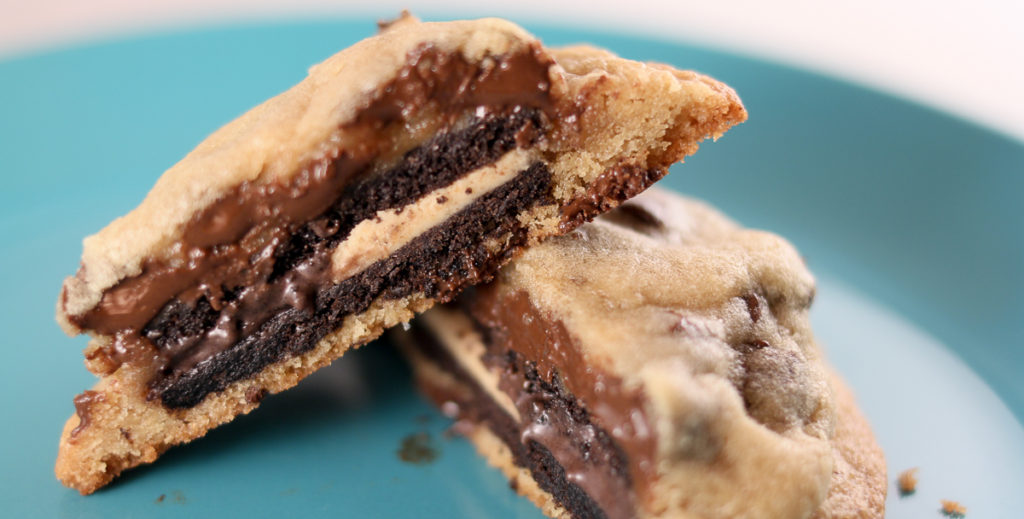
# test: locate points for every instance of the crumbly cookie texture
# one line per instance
(859, 478)
(125, 429)
(708, 323)
(650, 112)
(620, 124)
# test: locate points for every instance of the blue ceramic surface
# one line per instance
(910, 218)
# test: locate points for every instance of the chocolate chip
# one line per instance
(753, 306)
(255, 395)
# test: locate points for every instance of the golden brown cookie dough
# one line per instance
(401, 170)
(657, 362)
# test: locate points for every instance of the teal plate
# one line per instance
(909, 217)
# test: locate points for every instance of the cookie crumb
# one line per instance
(953, 509)
(161, 498)
(907, 482)
(383, 25)
(418, 449)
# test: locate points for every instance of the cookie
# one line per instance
(401, 170)
(656, 362)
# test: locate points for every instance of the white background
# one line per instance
(962, 57)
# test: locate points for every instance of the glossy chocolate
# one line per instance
(263, 249)
(609, 190)
(83, 408)
(253, 219)
(438, 264)
(511, 322)
(543, 457)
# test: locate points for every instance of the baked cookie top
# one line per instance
(709, 322)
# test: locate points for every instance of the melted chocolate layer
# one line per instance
(438, 263)
(83, 408)
(289, 277)
(227, 245)
(510, 322)
(556, 421)
(569, 452)
(606, 193)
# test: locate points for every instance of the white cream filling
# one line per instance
(455, 333)
(378, 237)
